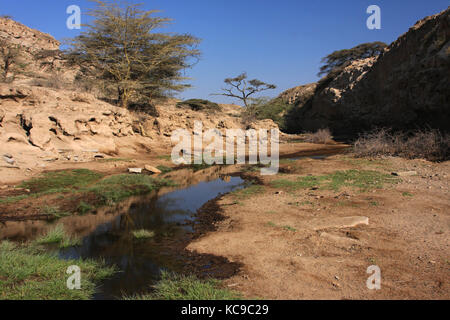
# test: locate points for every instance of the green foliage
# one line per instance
(242, 89)
(265, 108)
(121, 49)
(84, 208)
(338, 59)
(200, 105)
(179, 287)
(28, 273)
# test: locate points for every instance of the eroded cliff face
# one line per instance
(41, 124)
(406, 87)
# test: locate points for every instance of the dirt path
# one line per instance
(296, 241)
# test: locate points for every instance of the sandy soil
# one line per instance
(325, 257)
(313, 243)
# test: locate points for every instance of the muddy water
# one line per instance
(169, 213)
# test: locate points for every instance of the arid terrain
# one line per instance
(309, 242)
(81, 175)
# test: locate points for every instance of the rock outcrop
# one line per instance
(42, 123)
(406, 87)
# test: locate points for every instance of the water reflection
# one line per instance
(108, 234)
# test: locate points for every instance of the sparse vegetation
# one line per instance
(28, 273)
(242, 89)
(340, 59)
(431, 144)
(164, 169)
(60, 181)
(360, 179)
(88, 190)
(200, 105)
(11, 61)
(143, 234)
(247, 192)
(322, 136)
(180, 287)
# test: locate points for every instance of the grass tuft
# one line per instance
(143, 234)
(28, 273)
(179, 287)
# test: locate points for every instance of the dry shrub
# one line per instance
(425, 144)
(322, 136)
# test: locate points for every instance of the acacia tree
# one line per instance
(241, 88)
(121, 49)
(10, 59)
(340, 58)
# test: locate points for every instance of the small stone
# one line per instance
(135, 170)
(7, 155)
(279, 192)
(9, 160)
(404, 174)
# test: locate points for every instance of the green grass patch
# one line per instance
(113, 189)
(84, 208)
(58, 235)
(28, 273)
(164, 169)
(60, 181)
(289, 228)
(179, 287)
(407, 194)
(248, 192)
(363, 180)
(271, 224)
(143, 234)
(54, 212)
(13, 199)
(165, 157)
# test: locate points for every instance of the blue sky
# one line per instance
(280, 42)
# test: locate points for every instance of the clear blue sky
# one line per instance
(280, 42)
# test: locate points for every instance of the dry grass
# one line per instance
(429, 144)
(322, 136)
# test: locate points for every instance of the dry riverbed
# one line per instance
(312, 231)
(309, 232)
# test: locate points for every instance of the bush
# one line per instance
(426, 144)
(322, 136)
(200, 105)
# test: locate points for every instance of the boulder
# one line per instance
(152, 169)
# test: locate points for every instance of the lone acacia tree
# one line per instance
(241, 88)
(340, 58)
(10, 60)
(121, 50)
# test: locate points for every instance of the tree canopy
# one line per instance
(340, 58)
(241, 88)
(122, 49)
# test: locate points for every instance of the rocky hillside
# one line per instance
(406, 87)
(41, 122)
